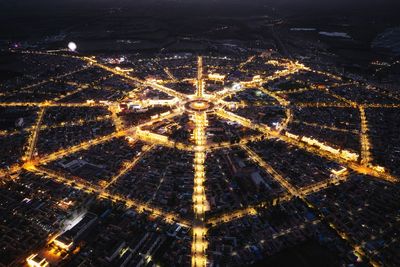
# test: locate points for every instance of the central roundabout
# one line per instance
(199, 105)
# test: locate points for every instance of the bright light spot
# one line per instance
(237, 86)
(72, 46)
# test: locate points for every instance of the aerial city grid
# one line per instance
(195, 159)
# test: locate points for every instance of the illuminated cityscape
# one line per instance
(261, 157)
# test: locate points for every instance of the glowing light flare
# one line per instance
(199, 198)
(199, 261)
(72, 46)
(36, 261)
(199, 231)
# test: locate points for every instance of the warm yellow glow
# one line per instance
(62, 245)
(199, 231)
(199, 106)
(199, 261)
(34, 262)
(199, 247)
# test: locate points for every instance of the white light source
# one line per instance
(72, 46)
(237, 86)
